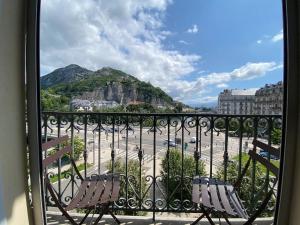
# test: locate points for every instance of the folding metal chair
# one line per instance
(94, 192)
(216, 196)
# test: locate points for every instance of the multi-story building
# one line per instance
(235, 101)
(269, 99)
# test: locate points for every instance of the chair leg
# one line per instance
(99, 218)
(226, 219)
(206, 213)
(114, 217)
(84, 218)
(197, 220)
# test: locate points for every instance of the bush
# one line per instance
(246, 185)
(175, 187)
(77, 150)
(133, 178)
(276, 136)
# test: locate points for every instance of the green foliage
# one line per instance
(80, 167)
(246, 190)
(276, 136)
(140, 108)
(178, 107)
(173, 185)
(133, 178)
(77, 149)
(52, 101)
(148, 91)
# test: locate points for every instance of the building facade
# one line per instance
(236, 102)
(87, 105)
(269, 99)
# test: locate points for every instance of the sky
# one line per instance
(191, 49)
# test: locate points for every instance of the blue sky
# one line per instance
(191, 49)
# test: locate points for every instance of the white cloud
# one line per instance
(278, 37)
(201, 87)
(222, 85)
(128, 35)
(193, 29)
(183, 42)
(259, 41)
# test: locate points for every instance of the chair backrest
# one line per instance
(263, 159)
(53, 143)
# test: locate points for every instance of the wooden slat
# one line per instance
(116, 189)
(90, 190)
(225, 202)
(99, 191)
(236, 202)
(105, 197)
(196, 191)
(265, 162)
(215, 198)
(50, 159)
(270, 149)
(54, 142)
(204, 194)
(78, 196)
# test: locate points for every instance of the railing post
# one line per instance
(168, 160)
(226, 148)
(140, 156)
(253, 178)
(154, 168)
(85, 154)
(99, 143)
(241, 131)
(211, 145)
(58, 116)
(196, 153)
(72, 153)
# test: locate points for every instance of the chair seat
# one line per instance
(96, 190)
(217, 195)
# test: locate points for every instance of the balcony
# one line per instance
(157, 156)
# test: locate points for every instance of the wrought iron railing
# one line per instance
(157, 154)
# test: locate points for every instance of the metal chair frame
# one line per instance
(222, 198)
(94, 192)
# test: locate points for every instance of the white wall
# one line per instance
(13, 204)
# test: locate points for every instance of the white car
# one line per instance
(193, 140)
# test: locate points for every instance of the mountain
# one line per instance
(107, 84)
(65, 75)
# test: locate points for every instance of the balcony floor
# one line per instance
(55, 218)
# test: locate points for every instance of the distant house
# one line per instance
(81, 105)
(105, 104)
(135, 103)
(87, 105)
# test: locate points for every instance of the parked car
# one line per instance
(99, 129)
(171, 143)
(265, 154)
(110, 130)
(193, 140)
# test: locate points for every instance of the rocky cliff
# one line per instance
(105, 84)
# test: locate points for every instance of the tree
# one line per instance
(77, 149)
(276, 136)
(134, 188)
(178, 107)
(245, 190)
(172, 168)
(52, 101)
